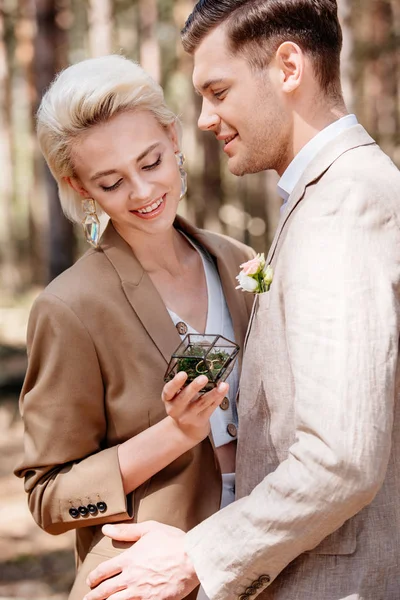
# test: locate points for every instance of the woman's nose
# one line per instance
(140, 190)
(208, 119)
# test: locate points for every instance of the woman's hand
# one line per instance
(190, 410)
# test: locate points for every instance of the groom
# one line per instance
(318, 467)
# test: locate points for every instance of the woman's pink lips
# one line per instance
(151, 215)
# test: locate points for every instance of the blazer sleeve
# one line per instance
(341, 285)
(71, 480)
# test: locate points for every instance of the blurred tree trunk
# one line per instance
(126, 22)
(8, 255)
(51, 55)
(377, 71)
(100, 27)
(149, 48)
(347, 56)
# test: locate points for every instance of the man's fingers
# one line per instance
(129, 532)
(125, 594)
(107, 589)
(100, 574)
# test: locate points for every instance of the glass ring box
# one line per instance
(203, 354)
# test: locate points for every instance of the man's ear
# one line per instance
(290, 60)
(77, 186)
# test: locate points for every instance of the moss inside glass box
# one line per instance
(210, 355)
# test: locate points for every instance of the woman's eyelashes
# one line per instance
(153, 165)
(111, 187)
(150, 167)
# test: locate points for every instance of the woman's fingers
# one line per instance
(183, 397)
(172, 388)
(208, 402)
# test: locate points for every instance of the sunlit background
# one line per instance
(37, 38)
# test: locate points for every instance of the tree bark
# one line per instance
(50, 56)
(149, 49)
(8, 256)
(100, 27)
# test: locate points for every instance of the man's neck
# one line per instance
(307, 124)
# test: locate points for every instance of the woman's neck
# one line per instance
(165, 251)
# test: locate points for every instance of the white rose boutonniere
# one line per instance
(255, 276)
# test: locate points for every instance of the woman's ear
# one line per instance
(290, 61)
(76, 185)
(173, 135)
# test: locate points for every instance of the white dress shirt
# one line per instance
(295, 170)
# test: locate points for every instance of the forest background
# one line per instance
(37, 39)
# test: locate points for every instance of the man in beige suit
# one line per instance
(318, 467)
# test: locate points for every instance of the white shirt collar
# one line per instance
(291, 176)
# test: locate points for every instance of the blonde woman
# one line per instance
(99, 447)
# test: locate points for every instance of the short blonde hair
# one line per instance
(85, 94)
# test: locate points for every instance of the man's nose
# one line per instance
(208, 119)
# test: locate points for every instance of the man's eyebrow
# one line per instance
(139, 158)
(207, 84)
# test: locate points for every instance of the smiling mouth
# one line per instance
(150, 207)
(230, 138)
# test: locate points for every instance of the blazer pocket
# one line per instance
(340, 542)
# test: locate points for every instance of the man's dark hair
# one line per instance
(256, 28)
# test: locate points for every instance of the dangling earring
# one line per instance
(91, 223)
(180, 159)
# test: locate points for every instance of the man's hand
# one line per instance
(156, 567)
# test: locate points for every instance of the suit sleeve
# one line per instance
(341, 271)
(65, 467)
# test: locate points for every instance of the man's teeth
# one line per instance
(151, 207)
(230, 139)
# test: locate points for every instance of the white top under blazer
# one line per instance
(218, 322)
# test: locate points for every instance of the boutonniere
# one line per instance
(255, 276)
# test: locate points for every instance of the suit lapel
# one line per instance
(348, 140)
(141, 293)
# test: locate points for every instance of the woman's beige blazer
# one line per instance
(99, 340)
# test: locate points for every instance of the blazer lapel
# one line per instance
(351, 138)
(141, 293)
(227, 269)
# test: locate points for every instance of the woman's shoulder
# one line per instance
(216, 242)
(89, 276)
(227, 243)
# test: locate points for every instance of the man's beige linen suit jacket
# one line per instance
(99, 341)
(318, 473)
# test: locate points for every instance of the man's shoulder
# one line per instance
(365, 172)
(367, 165)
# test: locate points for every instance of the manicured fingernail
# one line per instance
(202, 380)
(222, 387)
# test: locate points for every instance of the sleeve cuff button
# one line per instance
(101, 506)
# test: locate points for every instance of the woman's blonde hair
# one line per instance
(86, 94)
